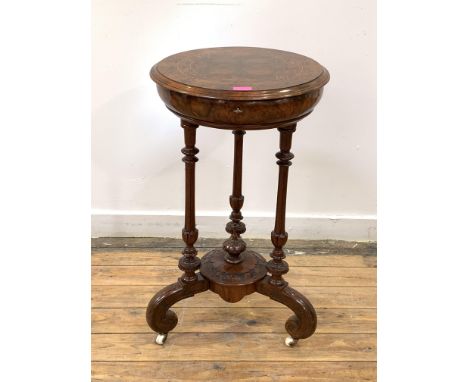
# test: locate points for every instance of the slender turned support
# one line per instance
(277, 266)
(158, 316)
(304, 322)
(189, 262)
(234, 246)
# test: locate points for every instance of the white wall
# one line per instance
(137, 169)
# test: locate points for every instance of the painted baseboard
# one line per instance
(151, 224)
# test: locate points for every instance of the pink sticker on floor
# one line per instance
(242, 88)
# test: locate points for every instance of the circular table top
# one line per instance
(240, 73)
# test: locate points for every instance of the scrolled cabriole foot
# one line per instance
(303, 323)
(158, 315)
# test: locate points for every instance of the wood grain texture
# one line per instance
(297, 276)
(111, 296)
(201, 87)
(234, 371)
(313, 247)
(233, 319)
(211, 332)
(215, 72)
(226, 346)
(171, 257)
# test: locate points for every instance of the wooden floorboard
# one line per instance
(218, 341)
(166, 274)
(234, 371)
(233, 347)
(234, 319)
(110, 296)
(313, 246)
(157, 257)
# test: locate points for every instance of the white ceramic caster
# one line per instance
(289, 341)
(160, 338)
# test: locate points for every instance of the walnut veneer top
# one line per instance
(239, 73)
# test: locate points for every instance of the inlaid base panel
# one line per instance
(233, 281)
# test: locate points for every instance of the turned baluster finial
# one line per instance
(234, 246)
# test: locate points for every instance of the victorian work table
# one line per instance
(239, 89)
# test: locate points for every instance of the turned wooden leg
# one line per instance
(159, 317)
(234, 246)
(304, 322)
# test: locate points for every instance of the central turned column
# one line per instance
(233, 270)
(234, 246)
